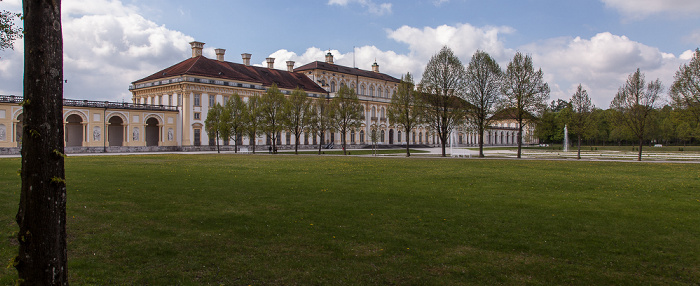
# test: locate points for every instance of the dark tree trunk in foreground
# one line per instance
(42, 207)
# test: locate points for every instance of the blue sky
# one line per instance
(110, 43)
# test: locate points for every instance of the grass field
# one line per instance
(281, 220)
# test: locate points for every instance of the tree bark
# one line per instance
(579, 147)
(408, 152)
(641, 142)
(481, 142)
(42, 208)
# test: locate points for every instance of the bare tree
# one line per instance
(404, 109)
(42, 207)
(635, 102)
(442, 82)
(346, 112)
(524, 90)
(320, 120)
(483, 92)
(235, 118)
(297, 114)
(685, 91)
(580, 118)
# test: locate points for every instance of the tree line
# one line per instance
(638, 114)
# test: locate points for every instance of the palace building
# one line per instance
(169, 107)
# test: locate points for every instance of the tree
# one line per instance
(8, 31)
(524, 91)
(42, 206)
(213, 124)
(634, 102)
(235, 118)
(404, 109)
(272, 105)
(297, 115)
(685, 91)
(483, 91)
(443, 80)
(253, 117)
(580, 116)
(320, 120)
(346, 112)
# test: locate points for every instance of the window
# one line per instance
(170, 100)
(332, 86)
(387, 93)
(197, 100)
(289, 138)
(179, 100)
(197, 116)
(362, 136)
(225, 99)
(379, 92)
(374, 112)
(420, 137)
(382, 136)
(212, 100)
(352, 137)
(382, 112)
(398, 138)
(362, 90)
(371, 91)
(160, 100)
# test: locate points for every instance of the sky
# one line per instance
(596, 43)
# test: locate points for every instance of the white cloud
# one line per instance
(637, 9)
(371, 6)
(107, 45)
(440, 2)
(601, 63)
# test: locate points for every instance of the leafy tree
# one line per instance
(8, 31)
(524, 90)
(580, 115)
(272, 105)
(483, 83)
(42, 206)
(346, 112)
(685, 91)
(403, 110)
(550, 125)
(634, 102)
(235, 118)
(214, 123)
(253, 119)
(297, 115)
(320, 120)
(442, 82)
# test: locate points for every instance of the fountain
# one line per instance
(566, 139)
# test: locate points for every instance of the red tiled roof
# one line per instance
(346, 70)
(202, 66)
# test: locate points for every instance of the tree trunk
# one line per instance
(408, 150)
(342, 136)
(520, 138)
(252, 139)
(579, 147)
(641, 142)
(235, 143)
(217, 143)
(296, 144)
(42, 207)
(481, 142)
(320, 142)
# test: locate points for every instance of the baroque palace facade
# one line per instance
(169, 108)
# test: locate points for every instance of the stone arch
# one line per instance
(83, 117)
(74, 130)
(115, 130)
(152, 127)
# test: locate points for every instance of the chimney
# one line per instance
(220, 54)
(290, 66)
(270, 63)
(329, 58)
(196, 48)
(246, 58)
(375, 66)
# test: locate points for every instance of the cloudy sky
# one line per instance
(598, 43)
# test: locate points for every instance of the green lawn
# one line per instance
(355, 152)
(329, 220)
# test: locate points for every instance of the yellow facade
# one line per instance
(92, 125)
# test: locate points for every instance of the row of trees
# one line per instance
(636, 113)
(450, 95)
(272, 112)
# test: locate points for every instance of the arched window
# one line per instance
(352, 136)
(382, 113)
(362, 136)
(363, 90)
(398, 138)
(371, 91)
(374, 112)
(352, 85)
(387, 93)
(332, 86)
(420, 137)
(382, 136)
(379, 92)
